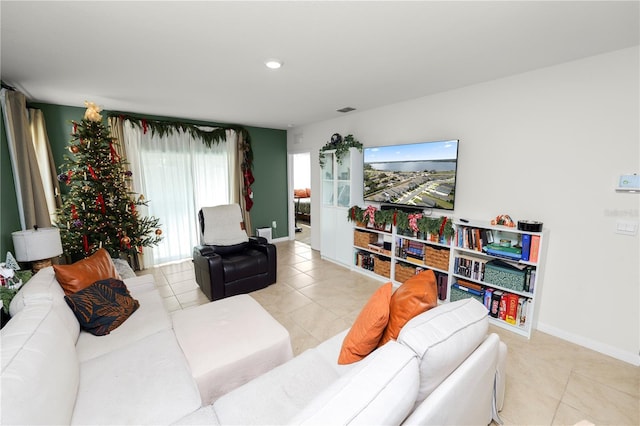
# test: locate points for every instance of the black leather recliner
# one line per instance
(223, 271)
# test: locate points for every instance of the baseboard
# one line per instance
(281, 239)
(605, 349)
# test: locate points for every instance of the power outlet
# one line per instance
(274, 224)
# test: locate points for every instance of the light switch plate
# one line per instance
(626, 227)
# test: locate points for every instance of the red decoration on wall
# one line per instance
(247, 199)
(248, 180)
(248, 177)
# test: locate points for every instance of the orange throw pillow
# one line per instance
(368, 327)
(417, 295)
(85, 272)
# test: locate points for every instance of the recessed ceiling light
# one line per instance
(274, 64)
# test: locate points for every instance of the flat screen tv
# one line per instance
(418, 175)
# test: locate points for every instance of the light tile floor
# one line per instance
(549, 381)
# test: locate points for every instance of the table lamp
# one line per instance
(37, 245)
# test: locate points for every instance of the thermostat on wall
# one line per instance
(629, 182)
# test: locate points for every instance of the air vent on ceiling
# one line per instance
(346, 109)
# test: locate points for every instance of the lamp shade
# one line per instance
(32, 245)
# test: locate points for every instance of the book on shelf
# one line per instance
(534, 248)
(488, 294)
(526, 245)
(512, 253)
(470, 267)
(473, 238)
(494, 309)
(441, 282)
(470, 285)
(532, 280)
(512, 309)
(468, 290)
(502, 313)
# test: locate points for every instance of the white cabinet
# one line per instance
(341, 182)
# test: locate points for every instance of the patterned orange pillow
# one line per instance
(103, 306)
(367, 328)
(85, 272)
(417, 295)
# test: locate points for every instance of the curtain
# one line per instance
(46, 164)
(178, 175)
(240, 182)
(30, 193)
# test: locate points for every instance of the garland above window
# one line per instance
(208, 137)
(340, 146)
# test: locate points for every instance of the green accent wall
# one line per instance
(270, 195)
(269, 170)
(9, 217)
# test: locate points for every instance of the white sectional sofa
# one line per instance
(444, 369)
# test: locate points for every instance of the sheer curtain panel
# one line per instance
(178, 175)
(46, 164)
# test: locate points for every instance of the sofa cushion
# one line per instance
(146, 382)
(43, 286)
(380, 390)
(85, 272)
(418, 294)
(366, 331)
(223, 225)
(40, 371)
(443, 338)
(103, 306)
(150, 318)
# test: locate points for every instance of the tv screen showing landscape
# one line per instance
(421, 175)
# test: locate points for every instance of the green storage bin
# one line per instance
(504, 275)
(457, 294)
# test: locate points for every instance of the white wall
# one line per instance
(546, 145)
(302, 170)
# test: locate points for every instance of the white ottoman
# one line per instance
(228, 342)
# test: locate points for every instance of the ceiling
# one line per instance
(205, 60)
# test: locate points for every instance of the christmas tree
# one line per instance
(99, 211)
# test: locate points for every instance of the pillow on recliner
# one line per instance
(223, 225)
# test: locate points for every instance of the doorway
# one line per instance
(302, 197)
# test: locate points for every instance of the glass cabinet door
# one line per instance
(328, 174)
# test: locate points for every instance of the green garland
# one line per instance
(340, 146)
(425, 224)
(208, 137)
